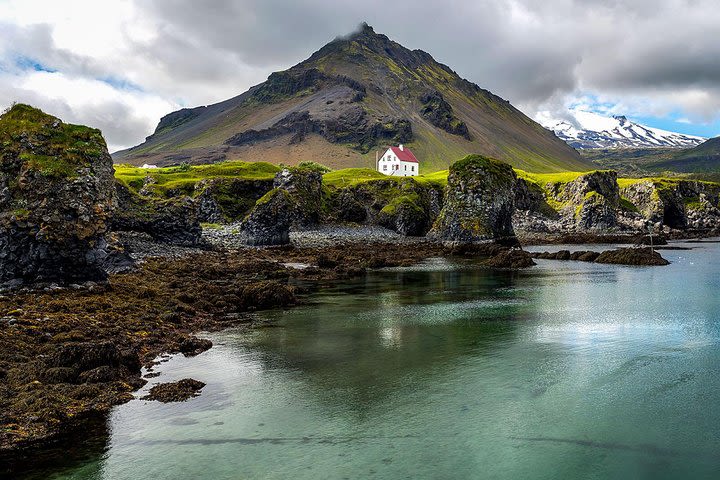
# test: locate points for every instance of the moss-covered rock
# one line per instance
(56, 198)
(173, 220)
(479, 202)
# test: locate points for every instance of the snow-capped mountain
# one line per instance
(590, 130)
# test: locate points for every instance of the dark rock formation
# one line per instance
(176, 391)
(56, 199)
(268, 223)
(632, 256)
(592, 199)
(192, 346)
(513, 258)
(620, 256)
(440, 113)
(351, 126)
(295, 201)
(171, 221)
(479, 202)
(224, 200)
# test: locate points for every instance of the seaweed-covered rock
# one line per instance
(56, 199)
(479, 202)
(632, 256)
(176, 391)
(512, 258)
(171, 221)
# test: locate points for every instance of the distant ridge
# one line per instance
(354, 95)
(590, 130)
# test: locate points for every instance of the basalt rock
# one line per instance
(56, 199)
(295, 201)
(593, 199)
(172, 221)
(224, 200)
(440, 113)
(479, 202)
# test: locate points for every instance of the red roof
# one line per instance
(404, 155)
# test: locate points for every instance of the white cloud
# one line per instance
(645, 58)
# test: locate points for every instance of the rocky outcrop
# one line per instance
(402, 205)
(620, 256)
(440, 113)
(479, 202)
(171, 221)
(295, 201)
(512, 258)
(224, 200)
(632, 256)
(56, 199)
(590, 201)
(677, 204)
(268, 223)
(352, 126)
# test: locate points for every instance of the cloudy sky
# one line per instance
(120, 65)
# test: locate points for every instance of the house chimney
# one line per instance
(401, 147)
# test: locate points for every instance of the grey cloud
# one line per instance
(658, 53)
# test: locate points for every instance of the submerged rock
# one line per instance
(176, 391)
(56, 199)
(479, 202)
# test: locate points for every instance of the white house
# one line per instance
(398, 162)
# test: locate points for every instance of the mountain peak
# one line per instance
(592, 130)
(357, 93)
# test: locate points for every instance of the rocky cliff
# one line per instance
(479, 202)
(56, 199)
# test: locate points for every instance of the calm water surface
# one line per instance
(444, 371)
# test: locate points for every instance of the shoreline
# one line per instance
(156, 309)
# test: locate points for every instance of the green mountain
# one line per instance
(349, 99)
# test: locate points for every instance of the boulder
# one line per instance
(479, 202)
(56, 199)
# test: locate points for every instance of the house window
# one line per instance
(406, 168)
(412, 169)
(385, 168)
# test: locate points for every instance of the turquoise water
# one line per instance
(443, 371)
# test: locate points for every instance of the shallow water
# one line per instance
(567, 370)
